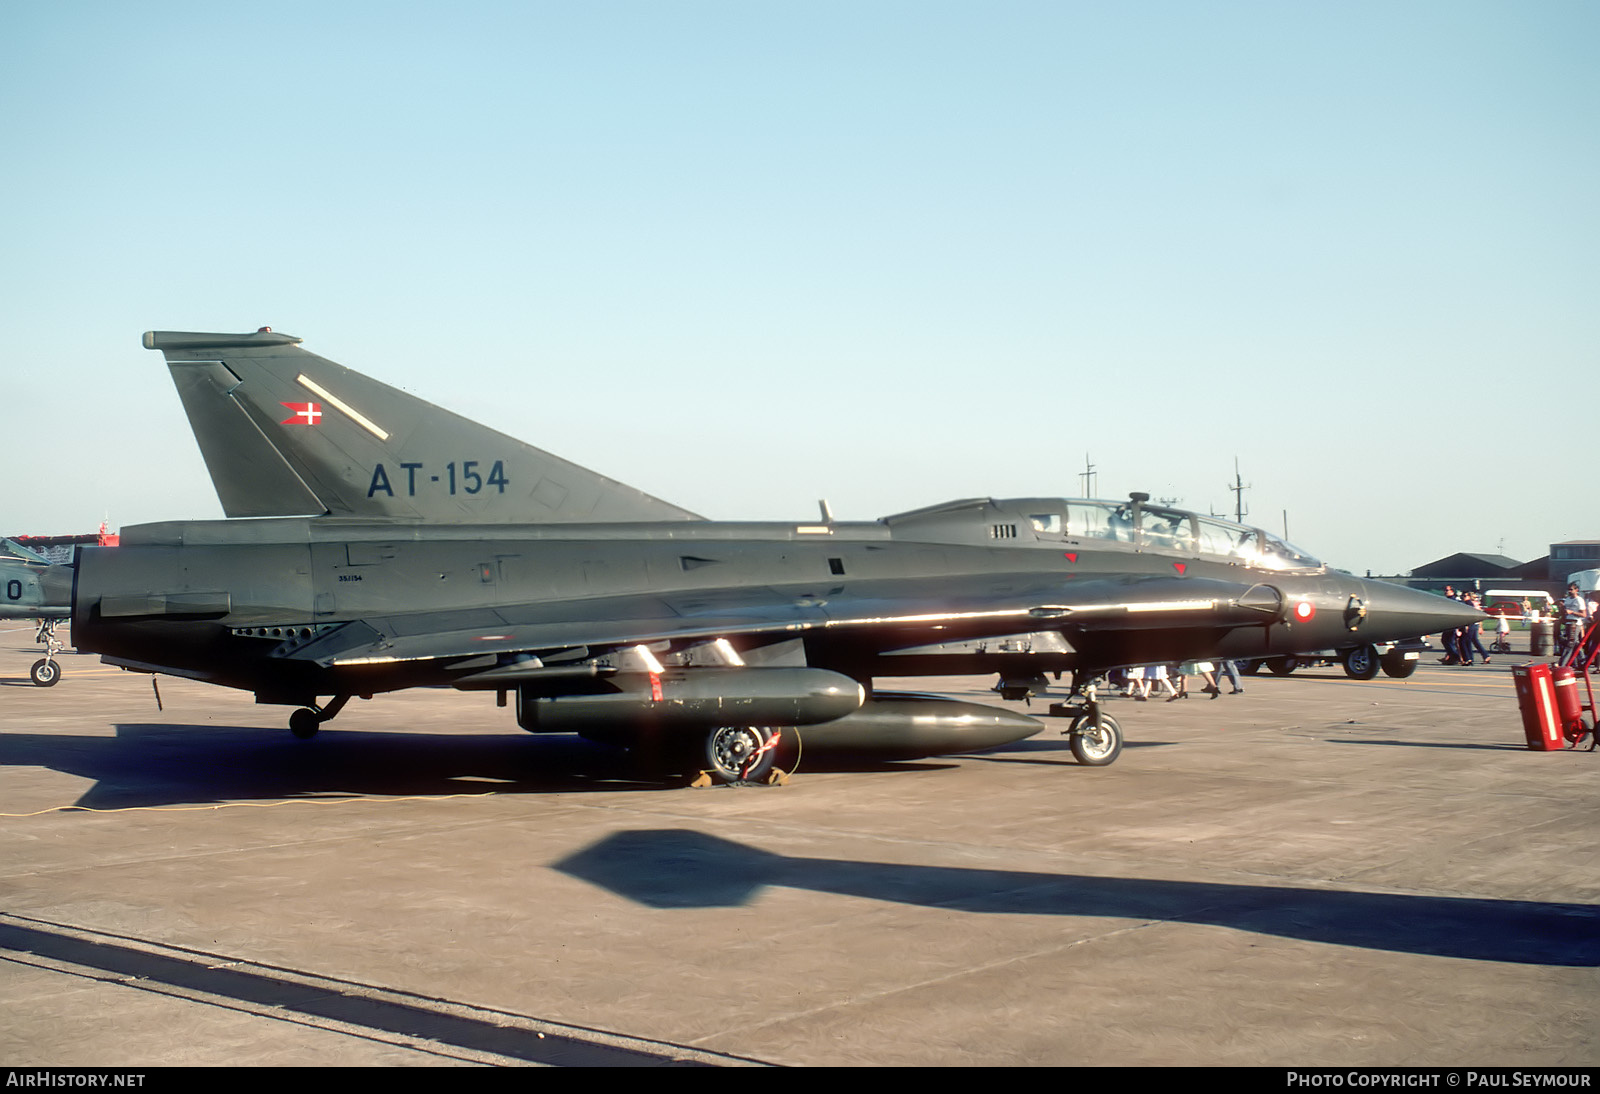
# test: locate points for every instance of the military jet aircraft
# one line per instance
(32, 588)
(398, 545)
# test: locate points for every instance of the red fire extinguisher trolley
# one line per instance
(1554, 698)
(1536, 698)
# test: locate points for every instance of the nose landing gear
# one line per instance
(45, 672)
(1095, 737)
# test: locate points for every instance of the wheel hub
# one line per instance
(737, 752)
(1096, 740)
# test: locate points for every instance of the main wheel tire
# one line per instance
(1283, 666)
(1250, 668)
(304, 723)
(1095, 744)
(45, 672)
(739, 755)
(1361, 662)
(1396, 664)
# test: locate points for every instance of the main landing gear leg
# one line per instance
(1095, 737)
(305, 722)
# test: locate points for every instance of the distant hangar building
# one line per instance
(1469, 569)
(1572, 556)
(1467, 566)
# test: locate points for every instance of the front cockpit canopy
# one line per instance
(1158, 527)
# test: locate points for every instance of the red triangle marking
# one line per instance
(1180, 566)
(1072, 556)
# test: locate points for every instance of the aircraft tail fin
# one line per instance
(287, 433)
(27, 554)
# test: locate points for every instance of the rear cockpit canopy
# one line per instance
(1091, 523)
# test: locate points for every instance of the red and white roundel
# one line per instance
(1304, 611)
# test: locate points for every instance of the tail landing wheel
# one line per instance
(742, 755)
(305, 722)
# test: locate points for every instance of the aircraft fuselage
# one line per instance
(255, 604)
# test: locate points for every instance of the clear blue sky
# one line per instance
(744, 255)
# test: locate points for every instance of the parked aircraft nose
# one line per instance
(1394, 611)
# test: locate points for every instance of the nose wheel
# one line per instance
(1094, 736)
(1096, 739)
(45, 672)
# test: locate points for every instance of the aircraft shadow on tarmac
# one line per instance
(674, 868)
(153, 764)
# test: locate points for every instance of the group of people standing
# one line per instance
(1141, 679)
(1575, 613)
(1462, 642)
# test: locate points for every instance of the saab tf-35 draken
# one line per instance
(397, 545)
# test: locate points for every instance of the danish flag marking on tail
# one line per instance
(304, 414)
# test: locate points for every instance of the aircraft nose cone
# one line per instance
(1394, 611)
